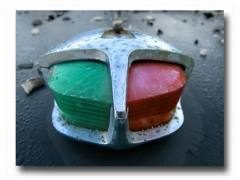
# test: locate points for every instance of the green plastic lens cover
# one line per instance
(82, 90)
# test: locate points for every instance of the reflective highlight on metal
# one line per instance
(118, 51)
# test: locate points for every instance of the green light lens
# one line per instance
(82, 90)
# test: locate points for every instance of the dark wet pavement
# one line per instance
(199, 142)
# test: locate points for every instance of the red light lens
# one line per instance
(154, 89)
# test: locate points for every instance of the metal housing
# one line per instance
(118, 50)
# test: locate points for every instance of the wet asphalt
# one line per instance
(199, 142)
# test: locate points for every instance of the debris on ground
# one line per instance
(202, 23)
(208, 15)
(50, 17)
(97, 19)
(203, 52)
(117, 24)
(184, 20)
(159, 32)
(135, 11)
(150, 23)
(37, 22)
(66, 18)
(149, 19)
(222, 41)
(196, 42)
(31, 84)
(35, 31)
(60, 13)
(216, 31)
(28, 65)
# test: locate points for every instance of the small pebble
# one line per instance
(33, 83)
(203, 52)
(222, 41)
(25, 65)
(117, 23)
(196, 42)
(50, 17)
(59, 13)
(208, 15)
(135, 12)
(66, 18)
(96, 19)
(184, 20)
(217, 31)
(150, 23)
(149, 18)
(37, 22)
(35, 31)
(159, 32)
